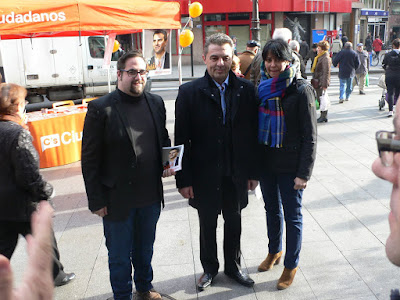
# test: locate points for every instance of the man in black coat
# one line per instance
(123, 136)
(216, 120)
(348, 62)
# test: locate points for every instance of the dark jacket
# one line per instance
(310, 56)
(21, 185)
(348, 63)
(368, 44)
(322, 71)
(304, 48)
(391, 64)
(198, 125)
(108, 154)
(300, 138)
(153, 61)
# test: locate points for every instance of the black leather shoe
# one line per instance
(241, 277)
(63, 278)
(205, 281)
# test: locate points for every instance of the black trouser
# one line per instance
(232, 230)
(9, 232)
(393, 89)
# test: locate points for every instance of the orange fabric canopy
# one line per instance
(47, 18)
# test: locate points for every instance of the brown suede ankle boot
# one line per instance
(286, 278)
(270, 261)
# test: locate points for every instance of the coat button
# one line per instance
(130, 182)
(217, 188)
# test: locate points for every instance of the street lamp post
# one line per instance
(255, 22)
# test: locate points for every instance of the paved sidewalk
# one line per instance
(345, 225)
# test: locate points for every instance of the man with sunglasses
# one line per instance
(387, 167)
(123, 135)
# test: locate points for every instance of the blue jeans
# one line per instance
(131, 241)
(346, 87)
(278, 191)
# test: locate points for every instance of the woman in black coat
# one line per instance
(391, 64)
(21, 185)
(288, 132)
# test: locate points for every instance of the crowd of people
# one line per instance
(260, 131)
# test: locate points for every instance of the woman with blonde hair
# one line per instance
(321, 70)
(21, 185)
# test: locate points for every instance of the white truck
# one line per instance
(61, 68)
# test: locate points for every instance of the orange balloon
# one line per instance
(195, 9)
(186, 38)
(116, 46)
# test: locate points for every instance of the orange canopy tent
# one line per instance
(50, 18)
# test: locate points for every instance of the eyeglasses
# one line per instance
(134, 72)
(388, 144)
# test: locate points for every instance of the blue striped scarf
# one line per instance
(271, 119)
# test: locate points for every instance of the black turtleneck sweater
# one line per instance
(145, 144)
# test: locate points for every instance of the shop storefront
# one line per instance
(377, 22)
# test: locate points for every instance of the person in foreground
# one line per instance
(37, 283)
(387, 167)
(123, 136)
(21, 184)
(218, 114)
(288, 131)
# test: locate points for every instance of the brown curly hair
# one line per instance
(11, 95)
(324, 45)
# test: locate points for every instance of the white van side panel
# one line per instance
(11, 54)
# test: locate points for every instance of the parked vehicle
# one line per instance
(60, 68)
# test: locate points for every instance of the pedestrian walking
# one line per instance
(295, 46)
(122, 167)
(288, 133)
(336, 46)
(363, 68)
(216, 121)
(377, 45)
(311, 55)
(304, 48)
(22, 186)
(368, 43)
(247, 57)
(322, 77)
(348, 62)
(391, 64)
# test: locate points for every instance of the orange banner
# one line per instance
(58, 140)
(41, 18)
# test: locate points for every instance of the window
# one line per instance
(209, 30)
(96, 47)
(265, 16)
(214, 18)
(242, 34)
(244, 16)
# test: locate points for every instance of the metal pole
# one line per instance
(255, 22)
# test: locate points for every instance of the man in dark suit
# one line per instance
(160, 60)
(123, 136)
(216, 120)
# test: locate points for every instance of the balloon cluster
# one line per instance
(186, 37)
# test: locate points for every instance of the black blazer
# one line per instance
(166, 61)
(108, 154)
(198, 125)
(21, 185)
